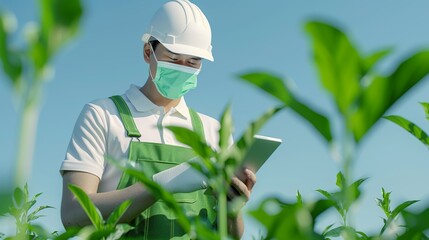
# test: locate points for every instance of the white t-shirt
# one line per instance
(99, 133)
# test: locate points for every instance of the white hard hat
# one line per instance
(182, 28)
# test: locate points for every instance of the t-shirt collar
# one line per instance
(142, 104)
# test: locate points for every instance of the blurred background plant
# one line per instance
(26, 65)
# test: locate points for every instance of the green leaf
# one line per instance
(410, 127)
(33, 200)
(395, 213)
(156, 190)
(384, 91)
(401, 207)
(19, 197)
(11, 61)
(385, 202)
(40, 232)
(59, 22)
(116, 215)
(68, 234)
(343, 231)
(225, 130)
(246, 139)
(426, 108)
(204, 232)
(326, 194)
(99, 234)
(32, 216)
(320, 207)
(327, 229)
(299, 198)
(284, 220)
(193, 140)
(370, 61)
(338, 62)
(119, 231)
(5, 200)
(341, 180)
(352, 193)
(416, 223)
(335, 232)
(235, 154)
(275, 87)
(88, 206)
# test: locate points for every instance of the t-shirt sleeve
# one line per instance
(85, 152)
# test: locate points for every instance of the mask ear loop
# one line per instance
(156, 60)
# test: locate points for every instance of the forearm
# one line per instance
(236, 226)
(72, 214)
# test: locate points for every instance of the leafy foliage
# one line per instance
(289, 220)
(345, 197)
(275, 87)
(22, 210)
(109, 229)
(391, 216)
(361, 95)
(219, 167)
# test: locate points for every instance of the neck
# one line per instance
(150, 91)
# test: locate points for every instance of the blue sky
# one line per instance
(247, 35)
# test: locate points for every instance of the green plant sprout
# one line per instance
(343, 199)
(391, 216)
(21, 211)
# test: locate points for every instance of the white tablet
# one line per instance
(260, 151)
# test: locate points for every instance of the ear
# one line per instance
(146, 52)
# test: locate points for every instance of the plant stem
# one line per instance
(27, 135)
(348, 158)
(222, 210)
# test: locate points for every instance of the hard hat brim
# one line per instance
(183, 49)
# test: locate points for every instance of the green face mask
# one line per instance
(174, 80)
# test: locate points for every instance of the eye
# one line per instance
(194, 62)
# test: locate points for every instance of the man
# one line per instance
(131, 127)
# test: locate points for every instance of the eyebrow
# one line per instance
(194, 58)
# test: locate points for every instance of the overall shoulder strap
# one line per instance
(197, 124)
(126, 117)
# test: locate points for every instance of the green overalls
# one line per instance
(158, 222)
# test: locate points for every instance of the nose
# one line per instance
(182, 62)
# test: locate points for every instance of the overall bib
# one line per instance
(158, 222)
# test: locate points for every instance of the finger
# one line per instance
(250, 179)
(240, 187)
(233, 191)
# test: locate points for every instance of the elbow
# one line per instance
(71, 216)
(67, 218)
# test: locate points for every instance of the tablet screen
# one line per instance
(260, 151)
